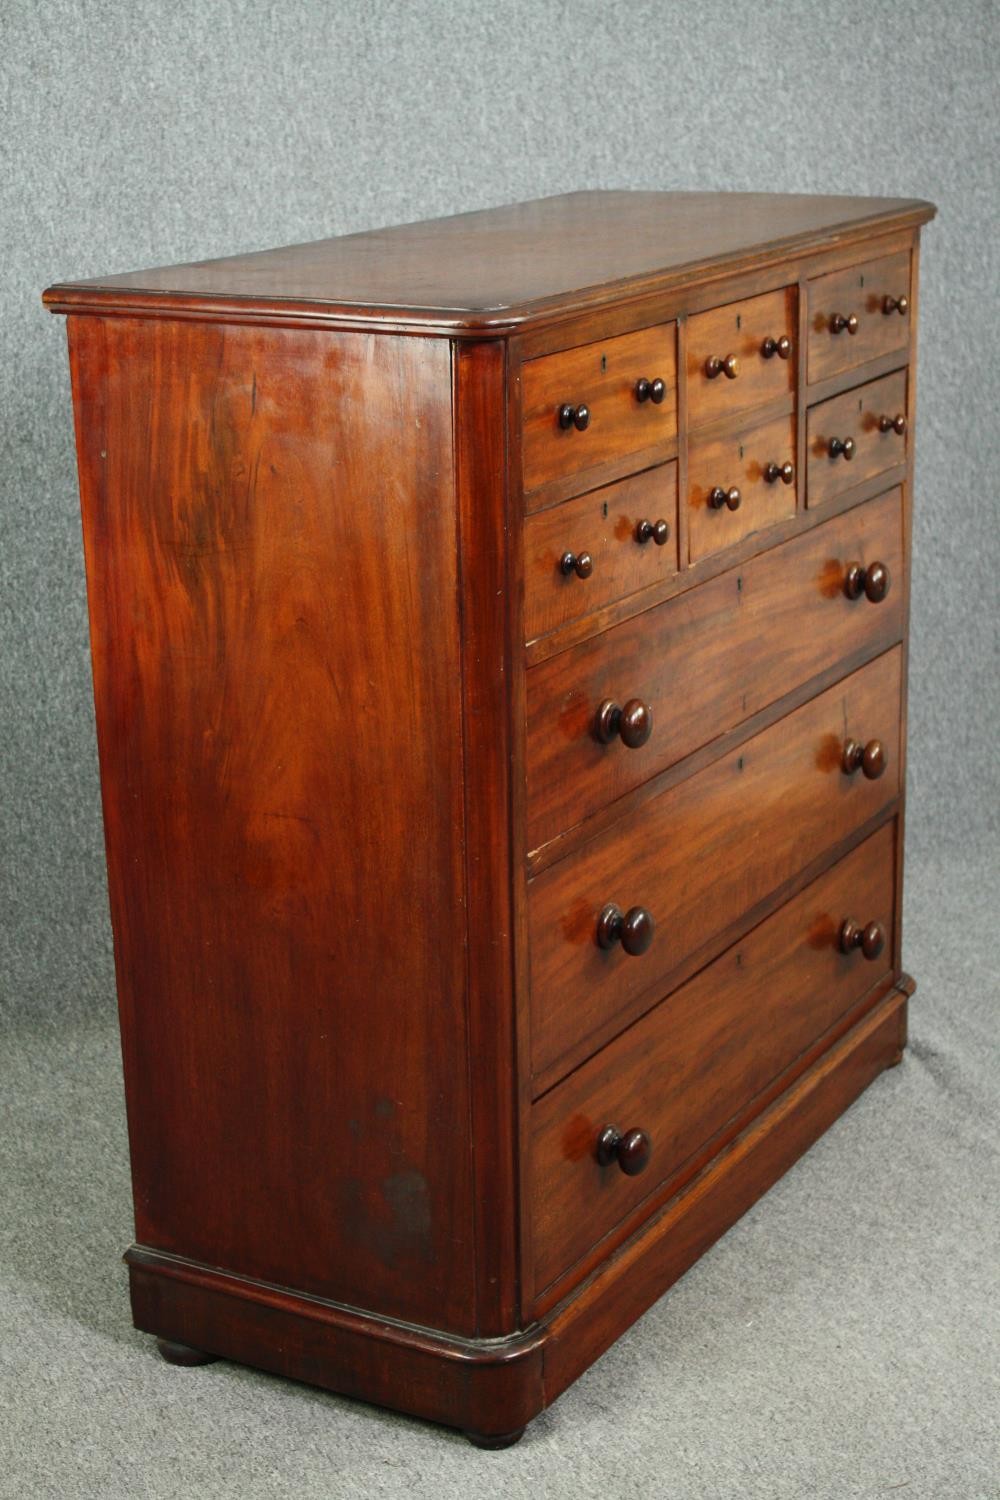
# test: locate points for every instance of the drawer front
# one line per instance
(697, 857)
(604, 378)
(683, 1071)
(706, 660)
(759, 465)
(870, 295)
(599, 547)
(868, 423)
(743, 331)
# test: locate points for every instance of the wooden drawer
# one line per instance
(606, 533)
(863, 422)
(740, 329)
(698, 857)
(604, 378)
(705, 661)
(869, 294)
(753, 464)
(684, 1071)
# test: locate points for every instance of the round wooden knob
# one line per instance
(870, 938)
(574, 416)
(892, 424)
(840, 321)
(871, 759)
(784, 472)
(728, 366)
(650, 390)
(633, 724)
(896, 304)
(841, 448)
(630, 1150)
(634, 930)
(781, 347)
(657, 531)
(872, 581)
(580, 563)
(719, 497)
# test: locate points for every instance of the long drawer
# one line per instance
(704, 661)
(696, 858)
(686, 1069)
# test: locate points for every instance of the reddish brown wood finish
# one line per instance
(738, 460)
(738, 332)
(862, 292)
(857, 416)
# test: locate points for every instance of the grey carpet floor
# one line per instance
(841, 1341)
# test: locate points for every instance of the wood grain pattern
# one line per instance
(858, 289)
(855, 414)
(604, 524)
(704, 851)
(738, 460)
(292, 1022)
(740, 328)
(705, 661)
(689, 1065)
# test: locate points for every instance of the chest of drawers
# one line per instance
(499, 642)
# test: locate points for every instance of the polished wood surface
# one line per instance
(705, 661)
(854, 315)
(742, 460)
(855, 417)
(695, 858)
(686, 1068)
(730, 363)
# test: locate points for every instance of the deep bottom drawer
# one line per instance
(688, 1067)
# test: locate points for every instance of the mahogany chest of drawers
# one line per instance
(499, 640)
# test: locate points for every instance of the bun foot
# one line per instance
(183, 1354)
(495, 1439)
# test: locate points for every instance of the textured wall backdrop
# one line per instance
(137, 134)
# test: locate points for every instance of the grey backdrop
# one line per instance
(136, 134)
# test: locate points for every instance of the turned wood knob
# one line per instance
(719, 497)
(781, 347)
(838, 322)
(630, 1150)
(634, 930)
(574, 416)
(657, 531)
(872, 581)
(650, 390)
(785, 472)
(842, 448)
(870, 938)
(582, 564)
(633, 724)
(896, 304)
(892, 424)
(729, 366)
(871, 759)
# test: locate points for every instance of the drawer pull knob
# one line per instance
(719, 497)
(582, 564)
(871, 759)
(630, 1150)
(870, 938)
(729, 366)
(896, 304)
(650, 390)
(838, 322)
(784, 472)
(634, 930)
(872, 581)
(841, 448)
(892, 424)
(781, 347)
(633, 723)
(656, 531)
(574, 416)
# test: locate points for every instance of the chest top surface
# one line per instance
(498, 268)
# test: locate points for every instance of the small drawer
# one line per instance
(741, 356)
(588, 406)
(599, 547)
(681, 1074)
(855, 436)
(701, 663)
(612, 924)
(739, 483)
(858, 314)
